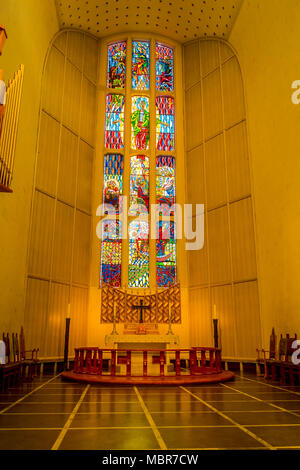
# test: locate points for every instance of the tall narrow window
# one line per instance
(139, 185)
(165, 123)
(140, 65)
(128, 157)
(114, 129)
(140, 122)
(166, 254)
(116, 70)
(165, 182)
(113, 180)
(138, 254)
(164, 68)
(111, 252)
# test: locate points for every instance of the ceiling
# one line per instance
(181, 20)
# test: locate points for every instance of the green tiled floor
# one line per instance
(247, 413)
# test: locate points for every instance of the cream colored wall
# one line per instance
(30, 26)
(60, 230)
(266, 37)
(218, 174)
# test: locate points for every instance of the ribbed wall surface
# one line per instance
(218, 174)
(60, 229)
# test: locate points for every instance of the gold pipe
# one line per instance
(8, 122)
(12, 127)
(5, 130)
(19, 90)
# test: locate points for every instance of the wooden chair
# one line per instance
(264, 355)
(28, 358)
(283, 368)
(10, 373)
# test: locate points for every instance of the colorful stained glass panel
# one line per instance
(165, 182)
(165, 254)
(138, 275)
(116, 68)
(114, 126)
(140, 65)
(139, 185)
(113, 180)
(164, 68)
(111, 252)
(140, 123)
(165, 123)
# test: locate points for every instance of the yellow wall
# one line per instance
(266, 37)
(30, 26)
(60, 241)
(218, 175)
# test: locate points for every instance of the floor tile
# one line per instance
(264, 418)
(288, 404)
(177, 406)
(27, 440)
(241, 406)
(40, 408)
(110, 420)
(279, 435)
(115, 406)
(207, 438)
(122, 439)
(32, 421)
(189, 419)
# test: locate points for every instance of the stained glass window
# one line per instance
(165, 123)
(138, 254)
(164, 68)
(140, 65)
(165, 254)
(111, 252)
(139, 185)
(113, 180)
(116, 68)
(140, 123)
(165, 182)
(139, 153)
(114, 127)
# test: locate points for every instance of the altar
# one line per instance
(141, 336)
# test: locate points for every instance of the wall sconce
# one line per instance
(215, 322)
(3, 37)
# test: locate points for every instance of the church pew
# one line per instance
(277, 362)
(10, 373)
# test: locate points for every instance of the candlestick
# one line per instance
(114, 331)
(170, 332)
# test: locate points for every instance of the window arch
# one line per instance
(140, 130)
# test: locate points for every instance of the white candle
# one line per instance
(215, 312)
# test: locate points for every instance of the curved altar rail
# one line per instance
(190, 362)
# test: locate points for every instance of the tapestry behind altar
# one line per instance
(125, 302)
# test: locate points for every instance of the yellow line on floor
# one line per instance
(264, 401)
(27, 395)
(66, 427)
(156, 432)
(270, 385)
(240, 426)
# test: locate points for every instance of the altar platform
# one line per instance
(148, 366)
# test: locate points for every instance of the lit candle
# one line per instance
(215, 312)
(69, 311)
